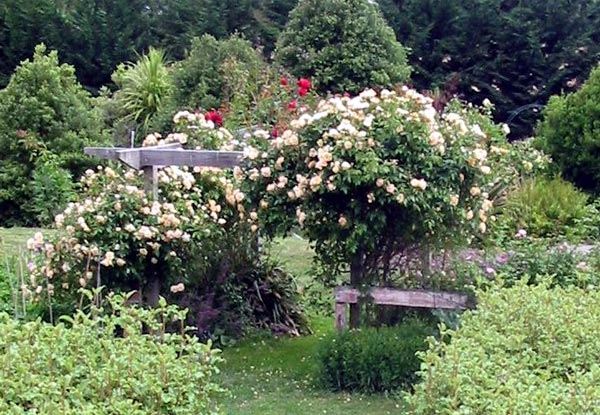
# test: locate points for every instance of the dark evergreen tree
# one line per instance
(513, 52)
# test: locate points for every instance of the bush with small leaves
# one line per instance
(43, 110)
(524, 350)
(116, 359)
(570, 134)
(344, 45)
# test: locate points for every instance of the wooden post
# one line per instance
(340, 317)
(151, 180)
(357, 270)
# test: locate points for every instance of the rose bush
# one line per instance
(367, 177)
(115, 235)
(195, 244)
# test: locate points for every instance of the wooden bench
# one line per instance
(390, 296)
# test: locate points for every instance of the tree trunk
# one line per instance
(153, 288)
(357, 270)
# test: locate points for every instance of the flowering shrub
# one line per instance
(102, 362)
(115, 235)
(369, 176)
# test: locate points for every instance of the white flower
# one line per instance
(265, 171)
(177, 288)
(420, 184)
(343, 221)
(454, 200)
(487, 103)
(480, 154)
(475, 191)
(251, 152)
(108, 259)
(435, 139)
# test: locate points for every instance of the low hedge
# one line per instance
(524, 350)
(103, 363)
(373, 359)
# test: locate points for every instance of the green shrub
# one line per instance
(42, 110)
(548, 208)
(537, 259)
(103, 363)
(570, 133)
(201, 79)
(344, 45)
(51, 189)
(373, 359)
(524, 350)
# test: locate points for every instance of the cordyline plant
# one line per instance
(367, 178)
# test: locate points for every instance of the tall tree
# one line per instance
(344, 45)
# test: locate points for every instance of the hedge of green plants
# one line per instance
(373, 359)
(524, 350)
(103, 363)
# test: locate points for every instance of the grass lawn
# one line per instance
(275, 377)
(269, 376)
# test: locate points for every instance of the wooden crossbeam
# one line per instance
(390, 296)
(166, 155)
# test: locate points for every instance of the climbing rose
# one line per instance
(215, 117)
(302, 92)
(304, 83)
(292, 106)
(284, 81)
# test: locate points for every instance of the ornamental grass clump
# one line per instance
(524, 350)
(106, 362)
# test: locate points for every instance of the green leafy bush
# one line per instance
(344, 45)
(524, 350)
(548, 208)
(52, 188)
(570, 133)
(103, 362)
(214, 71)
(373, 359)
(42, 110)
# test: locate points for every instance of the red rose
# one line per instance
(292, 106)
(304, 83)
(302, 92)
(215, 117)
(274, 132)
(284, 81)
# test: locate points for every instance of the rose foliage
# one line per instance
(367, 177)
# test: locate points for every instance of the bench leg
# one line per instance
(340, 317)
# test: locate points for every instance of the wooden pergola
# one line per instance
(150, 159)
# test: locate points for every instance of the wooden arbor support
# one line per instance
(149, 159)
(389, 296)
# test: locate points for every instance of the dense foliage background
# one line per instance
(514, 53)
